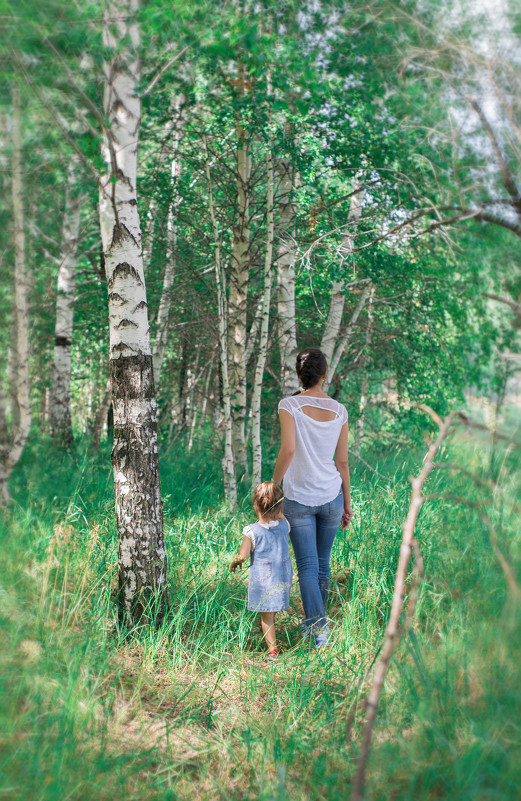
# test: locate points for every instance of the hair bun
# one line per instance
(311, 366)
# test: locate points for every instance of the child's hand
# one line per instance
(235, 564)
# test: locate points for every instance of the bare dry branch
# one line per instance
(162, 71)
(393, 631)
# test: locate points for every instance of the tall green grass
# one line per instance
(194, 710)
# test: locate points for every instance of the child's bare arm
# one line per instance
(243, 554)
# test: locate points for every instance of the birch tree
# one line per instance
(60, 397)
(286, 253)
(365, 377)
(264, 327)
(12, 442)
(139, 513)
(333, 322)
(238, 286)
(163, 313)
(230, 484)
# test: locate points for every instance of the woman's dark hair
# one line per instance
(311, 366)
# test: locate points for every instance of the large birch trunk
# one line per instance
(263, 339)
(238, 294)
(230, 484)
(142, 557)
(286, 251)
(12, 444)
(60, 399)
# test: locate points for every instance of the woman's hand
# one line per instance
(346, 517)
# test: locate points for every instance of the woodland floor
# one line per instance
(195, 710)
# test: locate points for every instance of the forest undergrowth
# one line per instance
(194, 710)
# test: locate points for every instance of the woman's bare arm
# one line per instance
(287, 445)
(342, 465)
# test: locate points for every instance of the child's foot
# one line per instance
(273, 654)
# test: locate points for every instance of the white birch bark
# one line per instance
(206, 394)
(286, 251)
(264, 326)
(253, 332)
(4, 430)
(101, 415)
(337, 301)
(60, 397)
(344, 339)
(365, 376)
(163, 313)
(230, 485)
(13, 442)
(238, 292)
(142, 556)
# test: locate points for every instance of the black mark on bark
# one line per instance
(124, 269)
(114, 296)
(121, 234)
(121, 348)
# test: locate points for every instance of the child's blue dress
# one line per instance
(271, 572)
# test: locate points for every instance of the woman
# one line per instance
(317, 491)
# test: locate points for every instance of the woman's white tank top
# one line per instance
(312, 478)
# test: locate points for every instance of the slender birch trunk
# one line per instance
(344, 339)
(337, 301)
(150, 231)
(206, 394)
(264, 326)
(286, 252)
(12, 443)
(334, 319)
(163, 313)
(238, 292)
(101, 416)
(365, 376)
(252, 333)
(139, 512)
(60, 399)
(230, 485)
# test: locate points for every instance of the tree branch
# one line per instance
(162, 71)
(506, 174)
(507, 301)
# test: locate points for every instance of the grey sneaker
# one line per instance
(322, 637)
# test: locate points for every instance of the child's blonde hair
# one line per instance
(267, 500)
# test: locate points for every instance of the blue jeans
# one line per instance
(313, 530)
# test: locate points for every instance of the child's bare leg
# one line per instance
(268, 629)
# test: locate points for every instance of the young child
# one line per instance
(270, 573)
